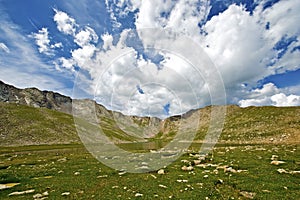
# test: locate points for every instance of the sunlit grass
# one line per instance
(44, 168)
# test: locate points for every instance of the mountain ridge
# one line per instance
(35, 97)
(30, 116)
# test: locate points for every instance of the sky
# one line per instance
(153, 57)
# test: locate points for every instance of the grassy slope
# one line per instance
(257, 125)
(24, 125)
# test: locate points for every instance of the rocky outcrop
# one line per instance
(36, 98)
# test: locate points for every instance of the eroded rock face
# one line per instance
(36, 98)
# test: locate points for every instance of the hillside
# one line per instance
(32, 117)
(266, 124)
(25, 125)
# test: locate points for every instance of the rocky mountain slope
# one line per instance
(30, 116)
(36, 98)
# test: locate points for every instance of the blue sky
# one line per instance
(253, 44)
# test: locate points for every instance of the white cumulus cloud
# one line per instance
(85, 36)
(107, 41)
(269, 94)
(285, 100)
(65, 23)
(65, 63)
(43, 42)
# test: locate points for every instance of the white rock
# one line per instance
(248, 195)
(65, 194)
(197, 162)
(8, 185)
(62, 159)
(122, 173)
(282, 171)
(162, 186)
(182, 181)
(37, 196)
(185, 161)
(185, 168)
(45, 193)
(274, 157)
(154, 176)
(22, 192)
(102, 176)
(161, 171)
(230, 169)
(138, 195)
(277, 162)
(295, 172)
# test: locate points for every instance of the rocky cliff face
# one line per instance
(36, 98)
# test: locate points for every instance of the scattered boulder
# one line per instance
(42, 196)
(229, 169)
(295, 172)
(65, 194)
(162, 186)
(187, 168)
(274, 157)
(248, 195)
(277, 162)
(282, 171)
(45, 193)
(21, 192)
(161, 171)
(43, 177)
(138, 195)
(122, 173)
(185, 161)
(8, 185)
(197, 162)
(232, 170)
(37, 196)
(182, 181)
(154, 176)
